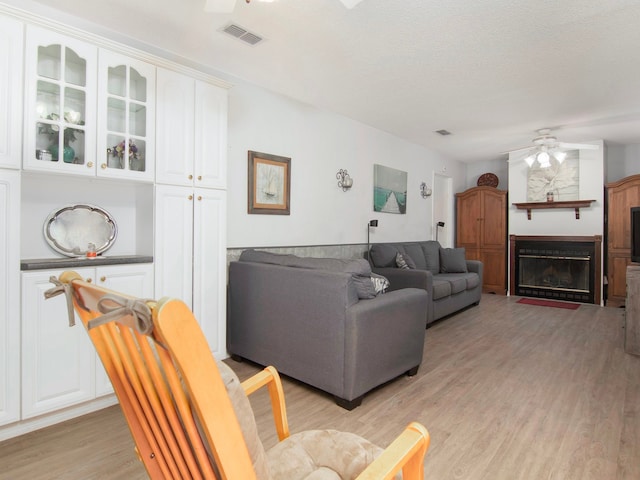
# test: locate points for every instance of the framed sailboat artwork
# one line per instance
(269, 184)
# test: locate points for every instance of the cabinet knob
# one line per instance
(103, 279)
(89, 280)
(199, 177)
(103, 166)
(199, 197)
(89, 164)
(190, 177)
(190, 197)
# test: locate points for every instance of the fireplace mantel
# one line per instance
(575, 204)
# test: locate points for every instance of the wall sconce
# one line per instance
(372, 223)
(425, 191)
(345, 182)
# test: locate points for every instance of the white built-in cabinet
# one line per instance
(9, 296)
(11, 51)
(88, 111)
(84, 118)
(191, 132)
(59, 365)
(191, 200)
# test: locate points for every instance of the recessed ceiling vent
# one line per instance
(444, 133)
(242, 34)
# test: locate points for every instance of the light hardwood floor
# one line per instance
(508, 391)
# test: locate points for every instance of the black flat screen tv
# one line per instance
(635, 234)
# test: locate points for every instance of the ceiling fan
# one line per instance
(545, 146)
(227, 6)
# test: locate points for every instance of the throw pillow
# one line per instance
(452, 260)
(383, 255)
(404, 261)
(380, 283)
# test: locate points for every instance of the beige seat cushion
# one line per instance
(321, 455)
(309, 455)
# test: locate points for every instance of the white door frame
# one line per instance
(442, 211)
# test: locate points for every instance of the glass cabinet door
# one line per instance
(60, 117)
(126, 100)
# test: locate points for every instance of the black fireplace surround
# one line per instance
(559, 268)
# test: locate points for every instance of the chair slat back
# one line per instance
(169, 388)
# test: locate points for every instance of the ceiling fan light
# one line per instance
(560, 156)
(530, 159)
(543, 160)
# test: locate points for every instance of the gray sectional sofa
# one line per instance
(451, 281)
(320, 321)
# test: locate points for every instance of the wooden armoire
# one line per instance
(481, 228)
(621, 196)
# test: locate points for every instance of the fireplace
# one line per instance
(560, 268)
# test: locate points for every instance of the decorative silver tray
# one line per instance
(69, 230)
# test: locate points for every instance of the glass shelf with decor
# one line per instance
(60, 99)
(126, 111)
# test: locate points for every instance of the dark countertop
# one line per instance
(69, 262)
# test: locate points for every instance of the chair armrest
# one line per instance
(270, 377)
(405, 453)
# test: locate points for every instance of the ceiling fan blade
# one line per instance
(516, 150)
(350, 3)
(219, 6)
(578, 146)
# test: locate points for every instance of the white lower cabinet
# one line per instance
(59, 364)
(190, 255)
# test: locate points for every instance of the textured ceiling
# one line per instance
(491, 72)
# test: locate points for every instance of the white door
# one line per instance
(174, 129)
(210, 167)
(210, 267)
(173, 255)
(58, 363)
(10, 92)
(442, 225)
(9, 296)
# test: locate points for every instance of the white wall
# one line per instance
(499, 167)
(561, 221)
(622, 161)
(320, 143)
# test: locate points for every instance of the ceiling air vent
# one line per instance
(443, 132)
(242, 34)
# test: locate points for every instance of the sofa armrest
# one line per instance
(477, 267)
(384, 337)
(401, 278)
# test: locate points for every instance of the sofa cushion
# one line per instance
(457, 281)
(452, 260)
(441, 289)
(473, 280)
(383, 255)
(431, 252)
(359, 269)
(414, 250)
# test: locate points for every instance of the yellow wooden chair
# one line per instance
(190, 416)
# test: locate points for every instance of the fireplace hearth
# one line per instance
(560, 268)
